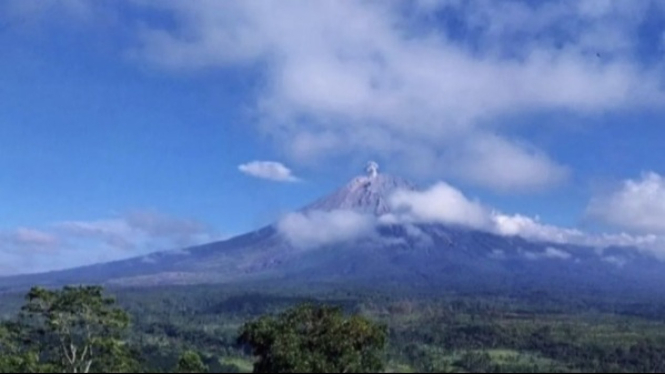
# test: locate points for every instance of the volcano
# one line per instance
(428, 258)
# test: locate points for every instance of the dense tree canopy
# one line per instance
(75, 329)
(7, 350)
(531, 333)
(13, 358)
(316, 340)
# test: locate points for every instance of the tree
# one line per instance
(316, 340)
(77, 329)
(8, 358)
(17, 359)
(190, 362)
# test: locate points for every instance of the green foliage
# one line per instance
(8, 356)
(190, 362)
(13, 359)
(316, 340)
(454, 333)
(6, 343)
(75, 329)
(476, 362)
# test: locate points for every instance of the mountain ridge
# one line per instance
(433, 257)
(365, 194)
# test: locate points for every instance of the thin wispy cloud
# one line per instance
(549, 253)
(319, 228)
(21, 248)
(27, 240)
(139, 231)
(31, 237)
(74, 243)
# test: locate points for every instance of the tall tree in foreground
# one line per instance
(316, 340)
(77, 329)
(14, 359)
(6, 348)
(9, 360)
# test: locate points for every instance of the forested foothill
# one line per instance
(189, 329)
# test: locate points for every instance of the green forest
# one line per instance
(222, 330)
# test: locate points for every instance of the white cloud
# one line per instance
(268, 170)
(394, 82)
(440, 203)
(318, 228)
(557, 254)
(532, 229)
(443, 203)
(638, 206)
(494, 162)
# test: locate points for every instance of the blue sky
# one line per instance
(123, 124)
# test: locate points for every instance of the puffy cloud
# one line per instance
(317, 228)
(638, 206)
(531, 228)
(443, 203)
(399, 79)
(440, 203)
(395, 82)
(271, 170)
